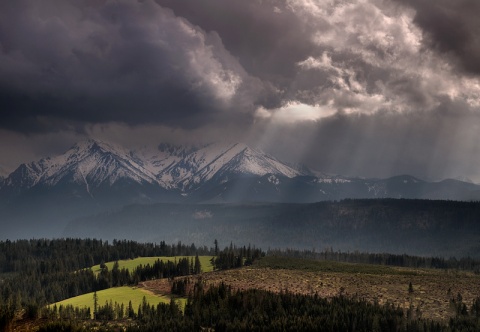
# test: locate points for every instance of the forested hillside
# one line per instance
(415, 227)
(35, 273)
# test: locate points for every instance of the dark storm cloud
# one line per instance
(371, 87)
(451, 27)
(126, 61)
(266, 36)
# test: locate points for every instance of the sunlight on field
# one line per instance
(119, 295)
(134, 294)
(131, 264)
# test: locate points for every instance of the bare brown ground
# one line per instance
(432, 289)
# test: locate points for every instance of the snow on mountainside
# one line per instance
(93, 177)
(162, 158)
(215, 172)
(201, 165)
(89, 163)
(93, 164)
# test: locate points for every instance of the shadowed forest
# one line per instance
(414, 227)
(38, 273)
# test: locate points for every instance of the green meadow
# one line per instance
(127, 293)
(120, 295)
(131, 264)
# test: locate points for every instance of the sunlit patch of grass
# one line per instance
(119, 295)
(131, 264)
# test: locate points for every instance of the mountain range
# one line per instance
(93, 177)
(93, 169)
(218, 172)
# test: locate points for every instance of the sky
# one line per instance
(369, 88)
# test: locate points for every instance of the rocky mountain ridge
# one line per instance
(40, 199)
(217, 172)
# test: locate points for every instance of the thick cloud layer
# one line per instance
(360, 87)
(451, 27)
(127, 61)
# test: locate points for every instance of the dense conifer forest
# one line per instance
(35, 273)
(413, 226)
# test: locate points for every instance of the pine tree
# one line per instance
(198, 266)
(95, 305)
(131, 312)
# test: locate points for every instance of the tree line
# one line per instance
(37, 272)
(233, 257)
(404, 260)
(220, 308)
(71, 254)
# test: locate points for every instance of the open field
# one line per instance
(131, 264)
(134, 294)
(116, 294)
(432, 289)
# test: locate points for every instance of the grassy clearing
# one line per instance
(131, 264)
(134, 294)
(119, 295)
(328, 266)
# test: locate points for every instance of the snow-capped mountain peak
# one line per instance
(218, 172)
(88, 163)
(93, 164)
(204, 163)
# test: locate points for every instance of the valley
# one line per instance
(193, 196)
(230, 191)
(221, 165)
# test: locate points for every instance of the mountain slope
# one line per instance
(419, 227)
(189, 168)
(217, 172)
(90, 164)
(41, 198)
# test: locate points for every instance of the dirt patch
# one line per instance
(158, 286)
(432, 290)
